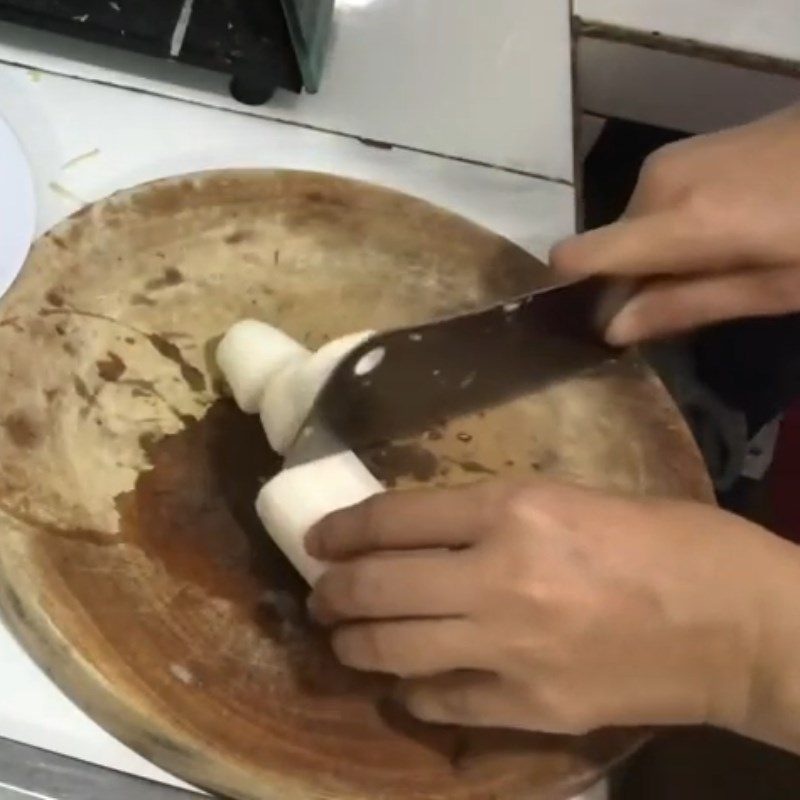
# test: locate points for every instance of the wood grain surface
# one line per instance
(132, 564)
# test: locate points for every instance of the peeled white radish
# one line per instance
(271, 373)
(284, 406)
(291, 391)
(299, 497)
(251, 352)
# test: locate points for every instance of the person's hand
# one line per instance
(712, 232)
(552, 608)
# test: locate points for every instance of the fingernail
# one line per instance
(616, 337)
(621, 332)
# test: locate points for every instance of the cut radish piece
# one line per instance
(299, 497)
(290, 393)
(249, 354)
(270, 372)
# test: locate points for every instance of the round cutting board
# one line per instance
(17, 207)
(132, 565)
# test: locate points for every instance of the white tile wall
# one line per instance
(765, 27)
(675, 91)
(17, 206)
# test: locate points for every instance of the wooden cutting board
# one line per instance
(132, 565)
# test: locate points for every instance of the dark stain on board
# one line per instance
(193, 377)
(392, 462)
(111, 368)
(237, 237)
(171, 277)
(22, 430)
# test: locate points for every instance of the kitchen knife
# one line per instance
(402, 382)
(29, 772)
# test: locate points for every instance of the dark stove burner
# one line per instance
(261, 44)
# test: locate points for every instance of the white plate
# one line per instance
(17, 207)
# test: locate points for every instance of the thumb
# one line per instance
(669, 306)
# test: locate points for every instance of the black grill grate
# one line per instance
(250, 40)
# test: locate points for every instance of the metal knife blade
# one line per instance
(402, 382)
(29, 772)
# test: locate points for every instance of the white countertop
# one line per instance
(132, 136)
(765, 28)
(442, 76)
(17, 206)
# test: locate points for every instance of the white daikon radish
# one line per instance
(249, 354)
(281, 410)
(299, 497)
(270, 372)
(291, 391)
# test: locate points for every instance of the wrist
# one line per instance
(761, 697)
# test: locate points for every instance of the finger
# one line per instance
(471, 699)
(403, 521)
(437, 584)
(671, 306)
(666, 243)
(410, 648)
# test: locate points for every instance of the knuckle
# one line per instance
(660, 170)
(701, 208)
(517, 522)
(526, 506)
(363, 588)
(665, 177)
(706, 215)
(342, 595)
(364, 647)
(369, 515)
(516, 505)
(344, 592)
(654, 165)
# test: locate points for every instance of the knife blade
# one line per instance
(402, 382)
(30, 772)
